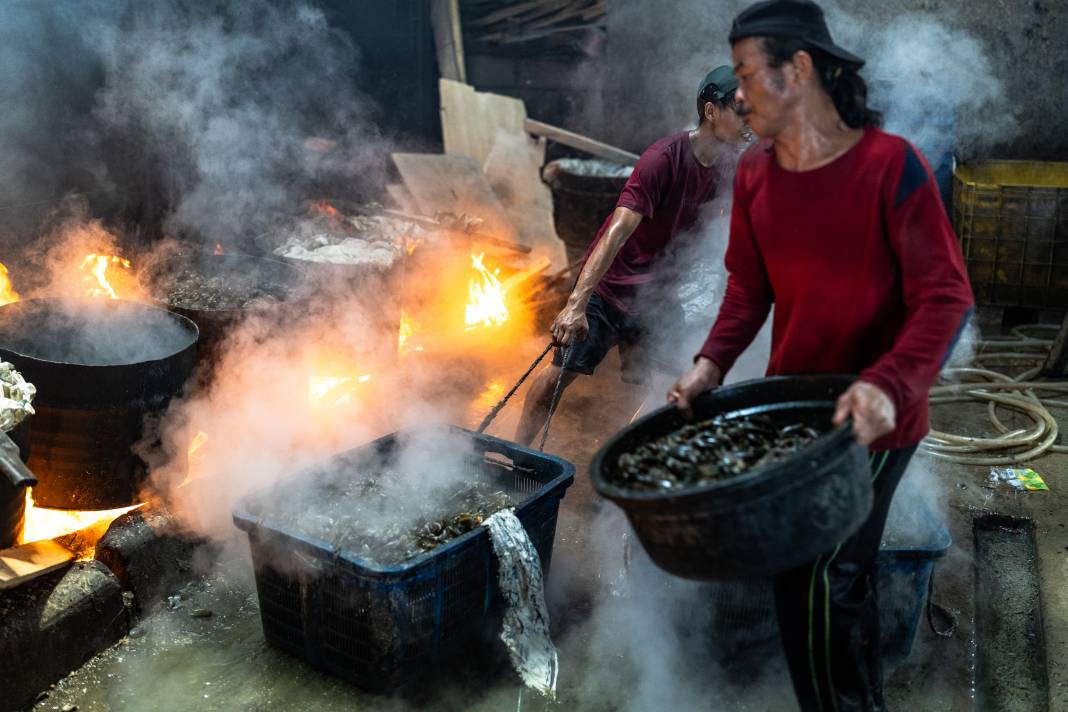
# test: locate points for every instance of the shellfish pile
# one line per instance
(708, 451)
(379, 518)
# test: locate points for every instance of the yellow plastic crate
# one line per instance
(1012, 221)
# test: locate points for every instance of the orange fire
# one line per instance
(195, 452)
(408, 329)
(324, 208)
(98, 280)
(334, 390)
(491, 395)
(7, 291)
(218, 248)
(44, 523)
(198, 442)
(485, 297)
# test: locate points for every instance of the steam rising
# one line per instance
(211, 115)
(932, 77)
(237, 110)
(94, 332)
(244, 105)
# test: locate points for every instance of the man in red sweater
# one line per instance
(839, 225)
(617, 295)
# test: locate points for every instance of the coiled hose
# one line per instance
(1018, 394)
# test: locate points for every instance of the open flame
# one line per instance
(198, 442)
(324, 208)
(410, 244)
(408, 329)
(219, 248)
(195, 453)
(44, 523)
(7, 291)
(485, 297)
(97, 279)
(334, 390)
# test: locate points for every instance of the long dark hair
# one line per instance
(847, 88)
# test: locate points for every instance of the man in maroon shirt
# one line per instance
(617, 296)
(839, 225)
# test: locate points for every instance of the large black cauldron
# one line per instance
(273, 281)
(100, 367)
(765, 521)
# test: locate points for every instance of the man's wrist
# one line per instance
(578, 300)
(709, 370)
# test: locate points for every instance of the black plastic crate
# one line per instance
(382, 627)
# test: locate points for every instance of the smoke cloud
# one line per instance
(933, 78)
(207, 118)
(244, 107)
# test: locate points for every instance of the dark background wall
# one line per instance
(626, 79)
(399, 66)
(655, 52)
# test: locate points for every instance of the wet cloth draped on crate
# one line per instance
(525, 631)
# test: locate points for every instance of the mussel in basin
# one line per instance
(758, 520)
(217, 291)
(101, 366)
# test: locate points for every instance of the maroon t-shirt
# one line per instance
(668, 188)
(862, 265)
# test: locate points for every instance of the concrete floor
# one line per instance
(630, 637)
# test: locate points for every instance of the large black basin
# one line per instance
(766, 521)
(101, 368)
(272, 277)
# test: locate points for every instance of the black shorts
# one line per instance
(638, 349)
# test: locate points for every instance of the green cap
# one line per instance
(724, 79)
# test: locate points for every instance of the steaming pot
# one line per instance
(101, 367)
(215, 324)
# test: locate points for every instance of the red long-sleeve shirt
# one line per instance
(667, 188)
(862, 265)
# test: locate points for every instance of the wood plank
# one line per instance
(535, 34)
(565, 14)
(543, 8)
(448, 39)
(432, 224)
(582, 143)
(506, 12)
(20, 564)
(400, 196)
(547, 8)
(470, 119)
(596, 10)
(454, 184)
(513, 169)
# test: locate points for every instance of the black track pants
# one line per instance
(827, 610)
